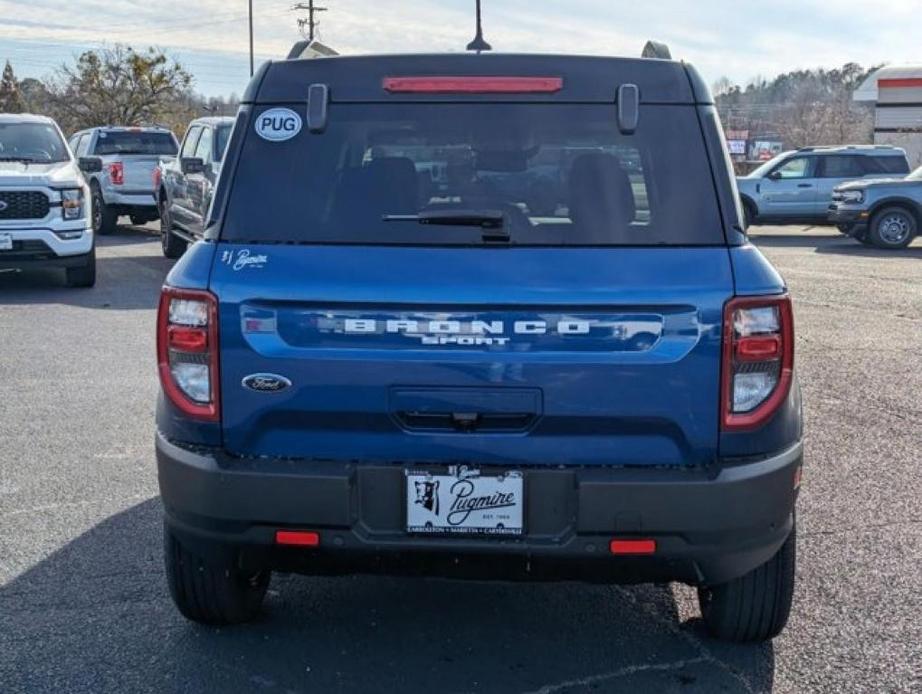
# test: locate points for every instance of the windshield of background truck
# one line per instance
(559, 174)
(31, 142)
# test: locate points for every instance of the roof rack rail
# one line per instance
(817, 148)
(656, 50)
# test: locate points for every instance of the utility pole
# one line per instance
(251, 38)
(310, 23)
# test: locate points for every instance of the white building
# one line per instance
(897, 93)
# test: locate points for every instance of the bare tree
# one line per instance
(803, 107)
(119, 86)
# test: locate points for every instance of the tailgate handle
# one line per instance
(465, 410)
(466, 422)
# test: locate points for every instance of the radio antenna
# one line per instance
(478, 44)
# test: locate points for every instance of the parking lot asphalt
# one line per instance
(83, 601)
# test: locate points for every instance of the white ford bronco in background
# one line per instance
(44, 201)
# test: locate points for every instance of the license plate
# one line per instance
(6, 242)
(465, 502)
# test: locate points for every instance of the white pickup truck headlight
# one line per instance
(73, 204)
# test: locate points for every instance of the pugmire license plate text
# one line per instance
(464, 502)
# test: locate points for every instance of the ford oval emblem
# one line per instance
(266, 383)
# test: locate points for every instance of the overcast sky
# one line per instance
(722, 37)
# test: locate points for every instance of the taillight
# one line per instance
(758, 360)
(116, 173)
(473, 85)
(155, 175)
(187, 351)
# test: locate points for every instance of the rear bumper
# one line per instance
(132, 198)
(709, 528)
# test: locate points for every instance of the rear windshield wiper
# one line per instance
(488, 219)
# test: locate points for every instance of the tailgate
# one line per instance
(546, 356)
(139, 172)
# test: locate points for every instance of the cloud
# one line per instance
(722, 37)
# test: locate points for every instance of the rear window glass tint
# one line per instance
(887, 165)
(561, 174)
(128, 142)
(841, 167)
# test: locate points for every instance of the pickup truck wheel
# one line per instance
(211, 593)
(105, 219)
(170, 243)
(84, 275)
(893, 228)
(756, 606)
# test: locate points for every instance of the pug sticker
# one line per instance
(278, 124)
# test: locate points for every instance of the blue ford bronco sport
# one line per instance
(384, 357)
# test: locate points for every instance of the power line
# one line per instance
(309, 22)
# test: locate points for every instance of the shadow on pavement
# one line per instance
(856, 249)
(95, 616)
(801, 239)
(826, 243)
(123, 281)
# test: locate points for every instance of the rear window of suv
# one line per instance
(131, 142)
(893, 164)
(560, 174)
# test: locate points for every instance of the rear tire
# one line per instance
(893, 228)
(756, 606)
(105, 220)
(172, 246)
(85, 275)
(211, 593)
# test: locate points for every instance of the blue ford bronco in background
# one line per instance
(367, 367)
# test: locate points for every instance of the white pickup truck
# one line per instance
(124, 184)
(44, 201)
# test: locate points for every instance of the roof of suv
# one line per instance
(590, 79)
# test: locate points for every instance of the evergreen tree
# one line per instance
(11, 100)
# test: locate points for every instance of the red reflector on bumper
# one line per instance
(298, 538)
(632, 546)
(473, 85)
